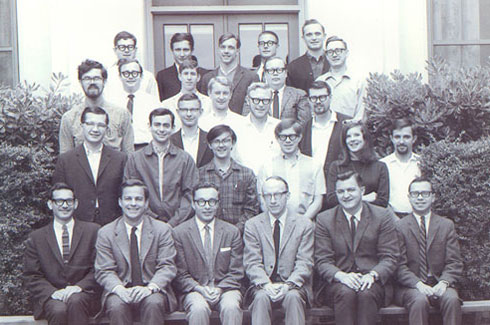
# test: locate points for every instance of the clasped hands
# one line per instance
(355, 281)
(65, 294)
(132, 295)
(276, 291)
(437, 290)
(211, 294)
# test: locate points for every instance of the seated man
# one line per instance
(59, 263)
(431, 262)
(135, 261)
(209, 261)
(278, 257)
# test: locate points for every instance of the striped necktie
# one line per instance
(65, 240)
(208, 250)
(423, 269)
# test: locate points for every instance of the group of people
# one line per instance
(222, 189)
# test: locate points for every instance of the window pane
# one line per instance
(6, 77)
(248, 34)
(5, 23)
(168, 32)
(282, 31)
(484, 21)
(485, 55)
(204, 45)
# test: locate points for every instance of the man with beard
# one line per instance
(403, 165)
(119, 134)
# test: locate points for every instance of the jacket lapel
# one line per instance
(76, 236)
(105, 157)
(218, 237)
(362, 226)
(286, 96)
(196, 239)
(82, 160)
(122, 239)
(341, 224)
(201, 148)
(414, 227)
(288, 229)
(146, 238)
(434, 225)
(179, 143)
(53, 244)
(264, 220)
(237, 77)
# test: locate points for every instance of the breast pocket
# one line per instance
(238, 195)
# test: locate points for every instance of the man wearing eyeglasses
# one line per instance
(304, 175)
(268, 42)
(431, 262)
(209, 261)
(93, 170)
(59, 263)
(237, 184)
(278, 257)
(348, 89)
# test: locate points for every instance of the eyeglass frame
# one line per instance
(134, 74)
(318, 99)
(337, 51)
(123, 48)
(275, 70)
(424, 194)
(284, 137)
(69, 202)
(92, 79)
(276, 195)
(268, 43)
(264, 101)
(217, 142)
(202, 203)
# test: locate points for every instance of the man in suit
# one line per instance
(239, 77)
(94, 170)
(190, 137)
(278, 257)
(268, 42)
(209, 261)
(356, 252)
(287, 102)
(59, 263)
(135, 261)
(305, 69)
(182, 46)
(431, 262)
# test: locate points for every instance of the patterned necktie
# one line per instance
(275, 104)
(136, 277)
(276, 235)
(130, 103)
(353, 229)
(423, 269)
(65, 240)
(208, 250)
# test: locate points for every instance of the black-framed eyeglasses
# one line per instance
(133, 74)
(218, 142)
(416, 194)
(188, 110)
(291, 137)
(336, 51)
(275, 70)
(268, 43)
(124, 48)
(318, 99)
(276, 196)
(264, 101)
(202, 203)
(92, 79)
(61, 202)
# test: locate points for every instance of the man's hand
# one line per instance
(139, 293)
(425, 289)
(351, 280)
(214, 294)
(69, 291)
(283, 288)
(58, 294)
(440, 288)
(123, 293)
(367, 281)
(207, 292)
(271, 289)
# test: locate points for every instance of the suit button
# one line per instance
(271, 267)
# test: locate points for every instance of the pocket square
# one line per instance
(224, 249)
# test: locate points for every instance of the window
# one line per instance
(9, 66)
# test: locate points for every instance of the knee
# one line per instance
(154, 301)
(450, 300)
(346, 295)
(366, 295)
(261, 298)
(200, 307)
(58, 310)
(76, 299)
(418, 302)
(293, 297)
(115, 305)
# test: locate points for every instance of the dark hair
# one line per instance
(335, 39)
(188, 64)
(275, 58)
(270, 33)
(419, 179)
(320, 85)
(60, 186)
(311, 22)
(401, 123)
(218, 130)
(122, 62)
(278, 178)
(162, 112)
(227, 36)
(88, 65)
(348, 174)
(367, 152)
(179, 37)
(202, 185)
(134, 182)
(95, 110)
(124, 35)
(286, 124)
(189, 97)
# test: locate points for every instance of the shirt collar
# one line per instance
(333, 119)
(393, 158)
(149, 150)
(201, 225)
(357, 215)
(59, 226)
(229, 71)
(129, 228)
(282, 218)
(310, 57)
(419, 220)
(88, 151)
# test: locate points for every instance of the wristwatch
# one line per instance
(374, 274)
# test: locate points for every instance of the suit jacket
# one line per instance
(191, 259)
(295, 254)
(157, 257)
(300, 74)
(443, 253)
(242, 79)
(204, 154)
(73, 169)
(44, 269)
(168, 81)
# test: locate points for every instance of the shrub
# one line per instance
(461, 182)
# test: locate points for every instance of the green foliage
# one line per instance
(455, 104)
(461, 181)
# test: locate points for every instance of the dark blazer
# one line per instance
(300, 74)
(443, 253)
(168, 81)
(375, 244)
(241, 80)
(45, 271)
(73, 169)
(204, 154)
(191, 259)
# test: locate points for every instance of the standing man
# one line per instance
(278, 257)
(431, 262)
(237, 184)
(209, 262)
(268, 42)
(93, 170)
(239, 77)
(348, 90)
(403, 165)
(356, 252)
(119, 134)
(135, 262)
(182, 46)
(169, 172)
(305, 69)
(190, 137)
(58, 263)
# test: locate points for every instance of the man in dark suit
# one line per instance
(356, 252)
(59, 263)
(240, 77)
(305, 69)
(209, 261)
(189, 111)
(278, 257)
(431, 262)
(94, 170)
(135, 261)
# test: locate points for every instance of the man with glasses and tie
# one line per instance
(59, 263)
(135, 262)
(431, 262)
(209, 261)
(278, 257)
(356, 253)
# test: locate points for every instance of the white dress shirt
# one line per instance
(93, 157)
(114, 84)
(202, 231)
(58, 231)
(320, 138)
(139, 228)
(191, 143)
(282, 222)
(357, 217)
(427, 221)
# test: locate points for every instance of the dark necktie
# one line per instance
(423, 269)
(277, 237)
(208, 250)
(353, 229)
(275, 104)
(65, 241)
(136, 277)
(130, 103)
